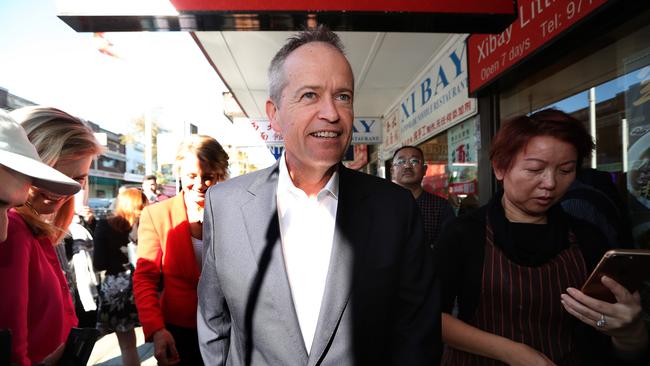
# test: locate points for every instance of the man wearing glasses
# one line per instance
(407, 171)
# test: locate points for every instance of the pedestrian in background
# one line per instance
(408, 170)
(593, 197)
(150, 189)
(170, 254)
(117, 312)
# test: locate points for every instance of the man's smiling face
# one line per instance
(315, 111)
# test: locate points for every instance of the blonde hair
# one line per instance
(128, 208)
(207, 150)
(57, 136)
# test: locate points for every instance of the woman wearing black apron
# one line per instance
(512, 269)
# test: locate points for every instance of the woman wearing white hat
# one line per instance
(20, 168)
(36, 305)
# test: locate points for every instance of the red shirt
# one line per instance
(36, 304)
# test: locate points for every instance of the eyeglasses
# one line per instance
(411, 162)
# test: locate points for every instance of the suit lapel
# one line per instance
(349, 240)
(263, 230)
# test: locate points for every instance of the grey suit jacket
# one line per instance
(381, 301)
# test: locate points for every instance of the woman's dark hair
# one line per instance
(516, 133)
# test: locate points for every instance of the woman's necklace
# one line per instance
(29, 205)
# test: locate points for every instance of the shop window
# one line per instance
(622, 135)
(462, 165)
(609, 91)
(110, 165)
(452, 165)
(435, 155)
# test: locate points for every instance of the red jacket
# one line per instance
(165, 253)
(35, 299)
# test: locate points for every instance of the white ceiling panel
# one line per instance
(358, 48)
(260, 99)
(402, 57)
(253, 52)
(375, 102)
(384, 64)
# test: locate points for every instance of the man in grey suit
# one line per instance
(307, 262)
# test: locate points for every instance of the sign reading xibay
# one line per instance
(438, 99)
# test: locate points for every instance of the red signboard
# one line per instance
(417, 6)
(360, 157)
(538, 22)
(463, 187)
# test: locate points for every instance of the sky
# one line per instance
(45, 61)
(605, 91)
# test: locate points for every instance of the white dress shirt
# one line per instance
(307, 232)
(197, 244)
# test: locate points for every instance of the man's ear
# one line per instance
(271, 113)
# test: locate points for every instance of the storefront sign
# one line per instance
(360, 157)
(539, 21)
(263, 127)
(463, 188)
(365, 130)
(461, 144)
(277, 151)
(439, 99)
(391, 133)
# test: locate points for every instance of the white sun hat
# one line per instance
(17, 153)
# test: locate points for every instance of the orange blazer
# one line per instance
(165, 257)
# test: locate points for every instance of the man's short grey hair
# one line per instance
(277, 79)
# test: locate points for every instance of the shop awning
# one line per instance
(388, 42)
(446, 16)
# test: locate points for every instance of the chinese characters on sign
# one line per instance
(263, 127)
(392, 137)
(440, 99)
(462, 141)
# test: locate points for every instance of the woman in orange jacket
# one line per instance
(169, 251)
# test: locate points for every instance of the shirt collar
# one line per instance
(285, 184)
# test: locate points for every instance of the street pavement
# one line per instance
(107, 351)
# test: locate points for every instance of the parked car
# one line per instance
(102, 207)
